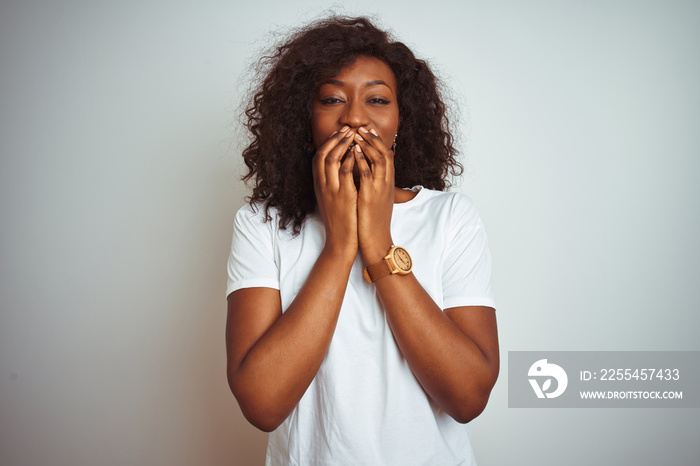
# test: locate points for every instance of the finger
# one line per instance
(337, 153)
(373, 139)
(332, 141)
(345, 174)
(362, 165)
(379, 144)
(325, 150)
(333, 161)
(381, 163)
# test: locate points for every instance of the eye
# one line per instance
(379, 101)
(331, 101)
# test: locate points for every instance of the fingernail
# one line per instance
(373, 132)
(344, 129)
(364, 130)
(357, 148)
(349, 135)
(358, 137)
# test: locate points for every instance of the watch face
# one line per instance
(402, 259)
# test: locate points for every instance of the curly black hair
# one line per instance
(278, 115)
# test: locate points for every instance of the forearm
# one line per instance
(449, 365)
(453, 361)
(273, 367)
(277, 370)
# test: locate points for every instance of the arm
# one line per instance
(453, 354)
(274, 356)
(268, 379)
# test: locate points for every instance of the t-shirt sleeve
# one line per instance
(251, 262)
(467, 268)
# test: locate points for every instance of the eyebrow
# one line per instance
(377, 82)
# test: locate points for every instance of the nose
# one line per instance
(354, 114)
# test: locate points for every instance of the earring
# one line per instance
(393, 146)
(310, 149)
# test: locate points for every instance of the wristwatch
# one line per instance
(398, 261)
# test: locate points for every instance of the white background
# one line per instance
(119, 178)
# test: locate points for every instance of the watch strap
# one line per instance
(377, 271)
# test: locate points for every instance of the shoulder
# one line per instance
(257, 212)
(455, 205)
(256, 217)
(265, 219)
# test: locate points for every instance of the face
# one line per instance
(363, 94)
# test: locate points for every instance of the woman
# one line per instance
(361, 325)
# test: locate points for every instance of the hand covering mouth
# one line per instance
(349, 153)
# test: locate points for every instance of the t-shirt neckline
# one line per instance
(418, 189)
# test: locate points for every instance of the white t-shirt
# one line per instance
(365, 407)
